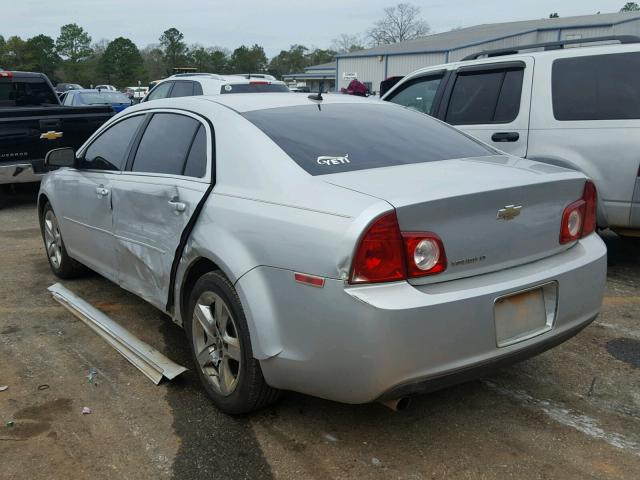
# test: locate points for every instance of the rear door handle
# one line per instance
(177, 205)
(505, 137)
(101, 191)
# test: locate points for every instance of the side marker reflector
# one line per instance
(309, 280)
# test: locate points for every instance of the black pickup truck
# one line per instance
(32, 122)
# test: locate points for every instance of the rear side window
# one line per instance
(253, 88)
(481, 97)
(196, 165)
(165, 144)
(182, 89)
(418, 94)
(27, 92)
(334, 138)
(161, 91)
(108, 151)
(597, 87)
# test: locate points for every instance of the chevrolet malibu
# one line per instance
(341, 247)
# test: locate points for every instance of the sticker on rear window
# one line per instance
(326, 160)
(228, 88)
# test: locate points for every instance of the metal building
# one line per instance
(313, 76)
(373, 65)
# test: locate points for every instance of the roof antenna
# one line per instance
(318, 96)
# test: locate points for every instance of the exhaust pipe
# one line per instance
(397, 404)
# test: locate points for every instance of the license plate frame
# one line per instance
(524, 314)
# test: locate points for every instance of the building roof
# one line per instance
(323, 66)
(466, 37)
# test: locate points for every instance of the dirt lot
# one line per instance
(571, 413)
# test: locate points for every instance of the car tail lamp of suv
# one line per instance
(579, 218)
(385, 254)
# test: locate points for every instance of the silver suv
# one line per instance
(574, 107)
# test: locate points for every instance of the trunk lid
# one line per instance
(460, 201)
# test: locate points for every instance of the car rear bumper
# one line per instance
(18, 173)
(359, 344)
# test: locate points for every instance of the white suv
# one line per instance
(190, 84)
(574, 107)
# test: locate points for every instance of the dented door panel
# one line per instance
(150, 213)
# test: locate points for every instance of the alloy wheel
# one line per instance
(52, 239)
(216, 343)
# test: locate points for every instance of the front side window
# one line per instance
(483, 97)
(161, 91)
(165, 144)
(109, 150)
(334, 138)
(597, 87)
(418, 94)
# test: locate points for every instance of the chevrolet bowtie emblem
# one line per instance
(509, 212)
(50, 135)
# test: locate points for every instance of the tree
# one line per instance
(554, 15)
(346, 43)
(630, 7)
(153, 62)
(42, 55)
(212, 59)
(15, 55)
(121, 63)
(174, 48)
(400, 23)
(248, 60)
(73, 43)
(289, 61)
(318, 56)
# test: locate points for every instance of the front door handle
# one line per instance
(505, 137)
(101, 191)
(178, 206)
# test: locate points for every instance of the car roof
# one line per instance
(247, 102)
(219, 78)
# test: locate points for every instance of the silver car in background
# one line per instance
(345, 248)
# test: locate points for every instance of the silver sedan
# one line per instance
(344, 248)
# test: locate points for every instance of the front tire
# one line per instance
(62, 265)
(221, 351)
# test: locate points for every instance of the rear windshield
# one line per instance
(335, 138)
(103, 98)
(253, 88)
(28, 92)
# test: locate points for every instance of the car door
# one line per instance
(154, 200)
(491, 102)
(85, 195)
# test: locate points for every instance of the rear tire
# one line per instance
(62, 265)
(221, 351)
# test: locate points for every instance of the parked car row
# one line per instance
(351, 248)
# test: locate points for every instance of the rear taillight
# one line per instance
(424, 253)
(5, 74)
(579, 218)
(384, 254)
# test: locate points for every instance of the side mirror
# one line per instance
(60, 157)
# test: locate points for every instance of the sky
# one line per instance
(274, 24)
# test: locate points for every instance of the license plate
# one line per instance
(522, 315)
